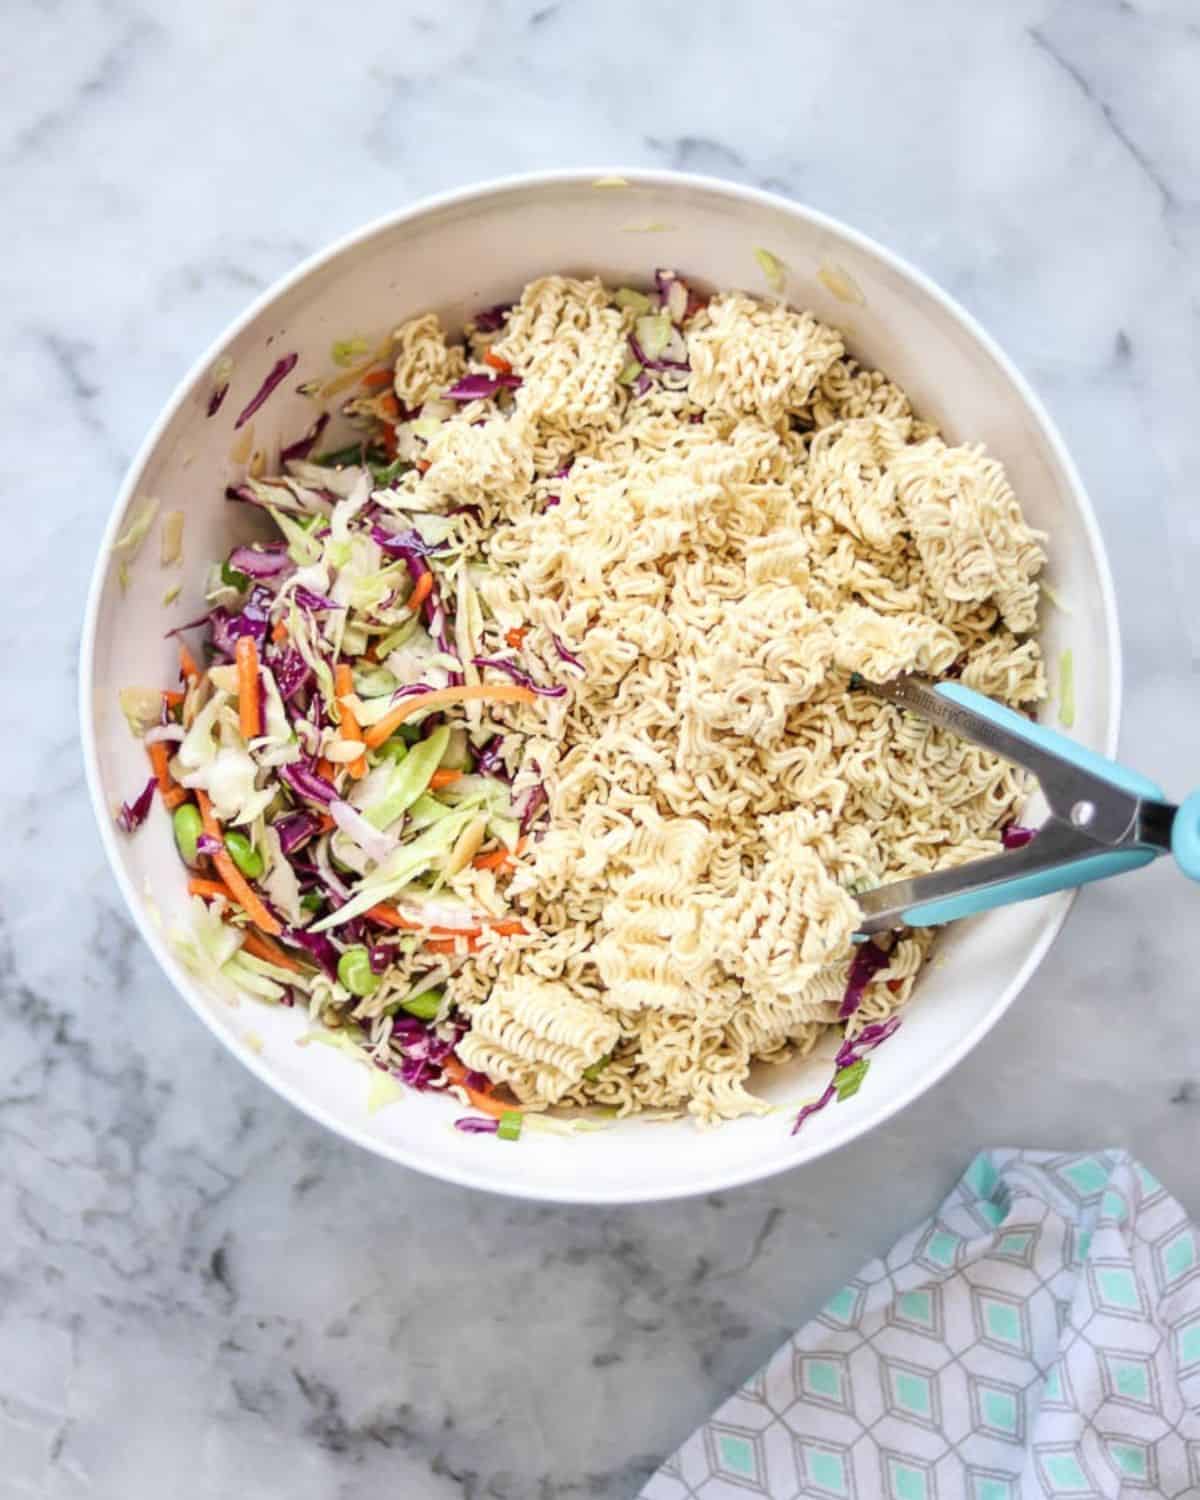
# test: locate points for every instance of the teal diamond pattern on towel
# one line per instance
(1039, 1339)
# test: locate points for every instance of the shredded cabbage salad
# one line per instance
(336, 750)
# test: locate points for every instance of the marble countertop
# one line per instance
(201, 1293)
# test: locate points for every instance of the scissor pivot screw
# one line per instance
(1082, 813)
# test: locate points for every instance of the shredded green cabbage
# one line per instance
(1066, 690)
(772, 268)
(141, 707)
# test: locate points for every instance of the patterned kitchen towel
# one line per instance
(1040, 1337)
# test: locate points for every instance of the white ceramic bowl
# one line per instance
(460, 252)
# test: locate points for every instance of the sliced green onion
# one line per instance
(234, 578)
(312, 901)
(425, 1007)
(1066, 689)
(346, 351)
(630, 373)
(386, 475)
(509, 1128)
(848, 1081)
(340, 458)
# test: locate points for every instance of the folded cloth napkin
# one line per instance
(1039, 1337)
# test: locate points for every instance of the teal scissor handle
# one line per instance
(1052, 767)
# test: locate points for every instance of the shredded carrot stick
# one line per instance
(422, 466)
(444, 776)
(388, 407)
(486, 1103)
(245, 653)
(421, 591)
(210, 890)
(279, 632)
(171, 794)
(326, 769)
(516, 636)
(504, 692)
(327, 822)
(238, 885)
(187, 664)
(269, 952)
(498, 859)
(375, 378)
(391, 443)
(343, 683)
(497, 362)
(508, 929)
(390, 916)
(173, 699)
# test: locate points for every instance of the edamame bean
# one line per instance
(354, 972)
(188, 828)
(243, 853)
(425, 1007)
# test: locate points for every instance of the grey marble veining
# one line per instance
(201, 1294)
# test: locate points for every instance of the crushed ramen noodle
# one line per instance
(687, 522)
(726, 548)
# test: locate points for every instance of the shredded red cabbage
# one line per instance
(535, 800)
(295, 829)
(1013, 836)
(292, 673)
(317, 945)
(225, 628)
(263, 560)
(849, 1053)
(480, 387)
(492, 318)
(647, 363)
(134, 814)
(207, 844)
(490, 761)
(814, 1107)
(306, 783)
(279, 371)
(407, 544)
(568, 656)
(315, 603)
(219, 392)
(477, 1125)
(867, 962)
(523, 679)
(304, 445)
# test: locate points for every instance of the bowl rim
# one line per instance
(694, 1179)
